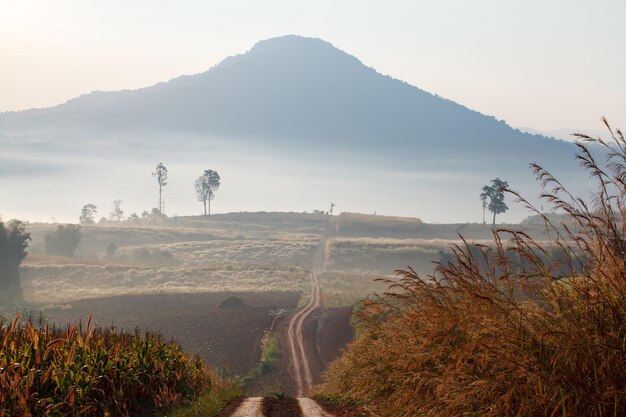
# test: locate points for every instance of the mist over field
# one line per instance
(253, 180)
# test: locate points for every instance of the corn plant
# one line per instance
(48, 371)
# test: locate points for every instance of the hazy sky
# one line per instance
(545, 64)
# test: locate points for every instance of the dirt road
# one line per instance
(250, 407)
(299, 359)
(286, 407)
(300, 362)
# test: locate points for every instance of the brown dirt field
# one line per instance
(326, 332)
(334, 332)
(227, 339)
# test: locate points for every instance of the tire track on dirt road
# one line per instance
(300, 362)
(253, 407)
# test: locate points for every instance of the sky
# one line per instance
(549, 64)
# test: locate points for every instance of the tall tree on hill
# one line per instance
(495, 194)
(206, 185)
(87, 213)
(13, 249)
(160, 173)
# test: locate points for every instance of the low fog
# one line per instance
(43, 182)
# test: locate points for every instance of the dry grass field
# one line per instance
(253, 252)
(55, 284)
(240, 252)
(382, 256)
(341, 289)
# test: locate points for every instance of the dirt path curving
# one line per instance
(300, 362)
(302, 374)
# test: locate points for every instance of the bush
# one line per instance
(14, 242)
(504, 330)
(154, 256)
(64, 241)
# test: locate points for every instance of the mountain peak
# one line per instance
(300, 49)
(290, 41)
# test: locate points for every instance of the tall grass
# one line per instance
(92, 371)
(508, 329)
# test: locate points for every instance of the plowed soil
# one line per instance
(228, 339)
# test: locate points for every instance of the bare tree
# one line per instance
(160, 173)
(117, 212)
(206, 185)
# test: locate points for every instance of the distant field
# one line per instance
(375, 226)
(238, 252)
(345, 289)
(356, 224)
(354, 263)
(55, 284)
(241, 252)
(231, 227)
(289, 249)
(383, 255)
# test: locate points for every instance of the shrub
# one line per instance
(507, 329)
(14, 242)
(64, 241)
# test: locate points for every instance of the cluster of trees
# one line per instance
(205, 186)
(63, 241)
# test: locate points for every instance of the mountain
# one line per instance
(291, 91)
